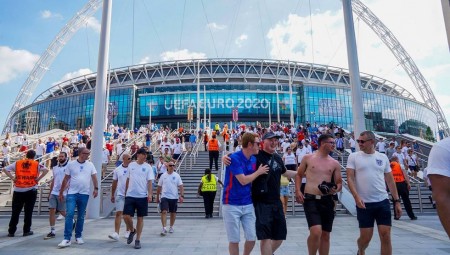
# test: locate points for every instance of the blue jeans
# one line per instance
(80, 201)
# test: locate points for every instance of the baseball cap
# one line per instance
(270, 135)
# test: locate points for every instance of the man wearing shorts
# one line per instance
(237, 206)
(138, 193)
(118, 194)
(53, 203)
(367, 173)
(168, 186)
(319, 206)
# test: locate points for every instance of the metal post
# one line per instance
(93, 209)
(133, 107)
(290, 95)
(419, 192)
(353, 66)
(278, 105)
(149, 104)
(40, 201)
(198, 96)
(204, 107)
(270, 117)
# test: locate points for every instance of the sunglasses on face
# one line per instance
(363, 141)
(171, 165)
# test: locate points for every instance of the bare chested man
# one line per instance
(319, 206)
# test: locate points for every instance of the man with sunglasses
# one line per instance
(168, 185)
(138, 193)
(368, 171)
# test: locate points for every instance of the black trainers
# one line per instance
(131, 237)
(50, 236)
(137, 244)
(414, 218)
(29, 233)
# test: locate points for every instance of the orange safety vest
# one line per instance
(397, 172)
(226, 137)
(27, 171)
(213, 145)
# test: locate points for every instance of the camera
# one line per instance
(325, 187)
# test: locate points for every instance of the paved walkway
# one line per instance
(198, 236)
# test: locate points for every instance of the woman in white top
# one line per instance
(289, 160)
(6, 150)
(412, 163)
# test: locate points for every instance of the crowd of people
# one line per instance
(260, 165)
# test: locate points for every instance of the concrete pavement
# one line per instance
(199, 236)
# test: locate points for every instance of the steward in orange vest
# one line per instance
(213, 148)
(27, 176)
(403, 186)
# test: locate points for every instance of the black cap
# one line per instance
(270, 135)
(141, 151)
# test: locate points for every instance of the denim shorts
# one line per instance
(233, 216)
(120, 203)
(377, 211)
(285, 191)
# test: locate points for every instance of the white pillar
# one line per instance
(353, 66)
(270, 117)
(204, 107)
(198, 96)
(93, 209)
(290, 95)
(278, 105)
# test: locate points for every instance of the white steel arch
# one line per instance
(359, 9)
(46, 59)
(404, 59)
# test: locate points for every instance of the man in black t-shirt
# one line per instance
(270, 219)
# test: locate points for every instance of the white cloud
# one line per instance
(15, 62)
(181, 54)
(75, 74)
(46, 14)
(144, 60)
(94, 24)
(240, 40)
(215, 27)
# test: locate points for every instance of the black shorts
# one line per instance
(170, 205)
(292, 167)
(138, 204)
(413, 168)
(377, 211)
(270, 221)
(175, 156)
(320, 212)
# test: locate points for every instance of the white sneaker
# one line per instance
(126, 235)
(163, 232)
(60, 217)
(114, 236)
(79, 240)
(171, 230)
(64, 243)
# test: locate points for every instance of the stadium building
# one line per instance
(258, 88)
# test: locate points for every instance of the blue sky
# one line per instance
(180, 29)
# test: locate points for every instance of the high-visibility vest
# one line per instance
(213, 145)
(397, 172)
(209, 185)
(26, 173)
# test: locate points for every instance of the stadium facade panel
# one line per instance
(257, 88)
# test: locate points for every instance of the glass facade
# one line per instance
(72, 112)
(255, 87)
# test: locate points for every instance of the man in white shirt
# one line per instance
(165, 144)
(79, 173)
(40, 150)
(285, 145)
(120, 176)
(438, 171)
(138, 193)
(368, 172)
(381, 146)
(105, 161)
(54, 204)
(177, 149)
(168, 186)
(300, 153)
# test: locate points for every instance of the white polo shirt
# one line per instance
(169, 185)
(120, 175)
(439, 159)
(80, 176)
(138, 176)
(369, 175)
(59, 171)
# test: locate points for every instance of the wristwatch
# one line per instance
(396, 201)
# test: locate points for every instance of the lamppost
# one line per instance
(149, 104)
(52, 121)
(313, 117)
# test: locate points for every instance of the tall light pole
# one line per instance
(204, 106)
(93, 209)
(278, 104)
(270, 117)
(353, 66)
(198, 96)
(290, 96)
(149, 104)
